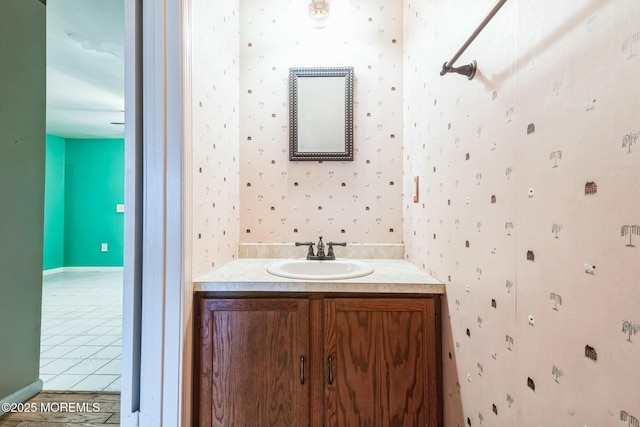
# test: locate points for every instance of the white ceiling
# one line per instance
(85, 68)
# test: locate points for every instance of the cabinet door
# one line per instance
(253, 362)
(381, 362)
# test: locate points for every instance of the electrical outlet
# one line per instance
(104, 247)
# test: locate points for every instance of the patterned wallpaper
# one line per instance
(283, 201)
(529, 206)
(215, 134)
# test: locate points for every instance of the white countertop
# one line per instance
(250, 275)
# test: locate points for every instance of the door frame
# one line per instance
(157, 297)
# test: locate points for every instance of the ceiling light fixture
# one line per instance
(319, 13)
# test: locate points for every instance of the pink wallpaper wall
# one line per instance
(529, 207)
(529, 202)
(282, 201)
(214, 128)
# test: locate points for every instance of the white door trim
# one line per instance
(132, 275)
(157, 284)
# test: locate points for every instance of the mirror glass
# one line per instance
(321, 113)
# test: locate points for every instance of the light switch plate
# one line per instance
(120, 207)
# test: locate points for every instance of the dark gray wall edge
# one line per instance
(21, 395)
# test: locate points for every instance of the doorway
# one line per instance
(84, 197)
(160, 386)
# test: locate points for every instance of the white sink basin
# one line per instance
(319, 270)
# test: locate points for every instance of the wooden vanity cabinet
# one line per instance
(317, 360)
(381, 361)
(251, 368)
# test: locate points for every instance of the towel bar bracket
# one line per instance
(470, 69)
(466, 70)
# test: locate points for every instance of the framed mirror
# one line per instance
(321, 113)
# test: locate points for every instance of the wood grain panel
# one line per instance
(250, 363)
(401, 400)
(316, 363)
(385, 353)
(383, 357)
(355, 374)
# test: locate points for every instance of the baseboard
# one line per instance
(21, 395)
(51, 271)
(89, 269)
(79, 269)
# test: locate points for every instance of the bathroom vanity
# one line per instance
(354, 352)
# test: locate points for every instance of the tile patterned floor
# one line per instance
(80, 348)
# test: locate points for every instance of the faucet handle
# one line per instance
(331, 245)
(310, 244)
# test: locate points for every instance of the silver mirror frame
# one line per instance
(294, 153)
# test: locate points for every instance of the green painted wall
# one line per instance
(84, 182)
(94, 185)
(22, 166)
(54, 203)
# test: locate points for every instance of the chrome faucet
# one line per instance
(320, 254)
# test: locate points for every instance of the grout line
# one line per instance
(98, 321)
